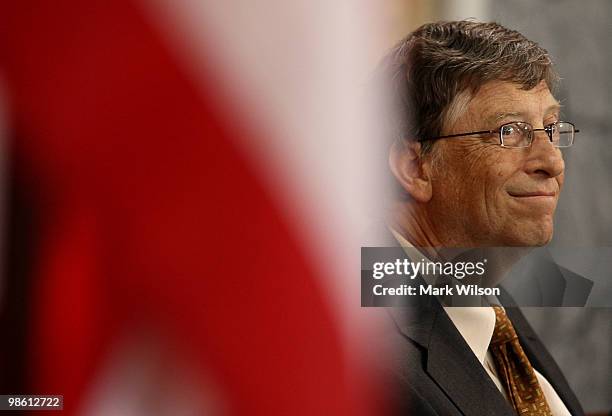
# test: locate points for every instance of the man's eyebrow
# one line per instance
(496, 117)
(493, 118)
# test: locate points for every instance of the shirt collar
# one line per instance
(475, 324)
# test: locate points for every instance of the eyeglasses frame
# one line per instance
(547, 129)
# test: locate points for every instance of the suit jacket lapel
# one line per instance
(450, 361)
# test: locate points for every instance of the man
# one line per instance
(478, 164)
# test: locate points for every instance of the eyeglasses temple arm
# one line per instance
(458, 135)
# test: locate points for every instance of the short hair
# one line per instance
(442, 65)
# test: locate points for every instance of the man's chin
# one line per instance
(533, 237)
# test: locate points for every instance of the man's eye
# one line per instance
(511, 130)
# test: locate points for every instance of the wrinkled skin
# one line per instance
(471, 192)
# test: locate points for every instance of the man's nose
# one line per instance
(544, 157)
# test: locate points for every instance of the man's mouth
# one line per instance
(531, 194)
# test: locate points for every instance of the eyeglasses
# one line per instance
(519, 134)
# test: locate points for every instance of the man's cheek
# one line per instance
(501, 173)
(479, 155)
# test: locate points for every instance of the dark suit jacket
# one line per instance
(436, 373)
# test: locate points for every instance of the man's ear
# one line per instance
(408, 169)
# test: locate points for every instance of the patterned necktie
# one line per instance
(516, 373)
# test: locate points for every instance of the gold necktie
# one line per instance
(515, 371)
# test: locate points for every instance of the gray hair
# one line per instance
(436, 70)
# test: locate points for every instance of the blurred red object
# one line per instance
(150, 217)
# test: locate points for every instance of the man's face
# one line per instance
(488, 195)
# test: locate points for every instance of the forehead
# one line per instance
(498, 99)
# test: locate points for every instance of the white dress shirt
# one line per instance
(476, 325)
